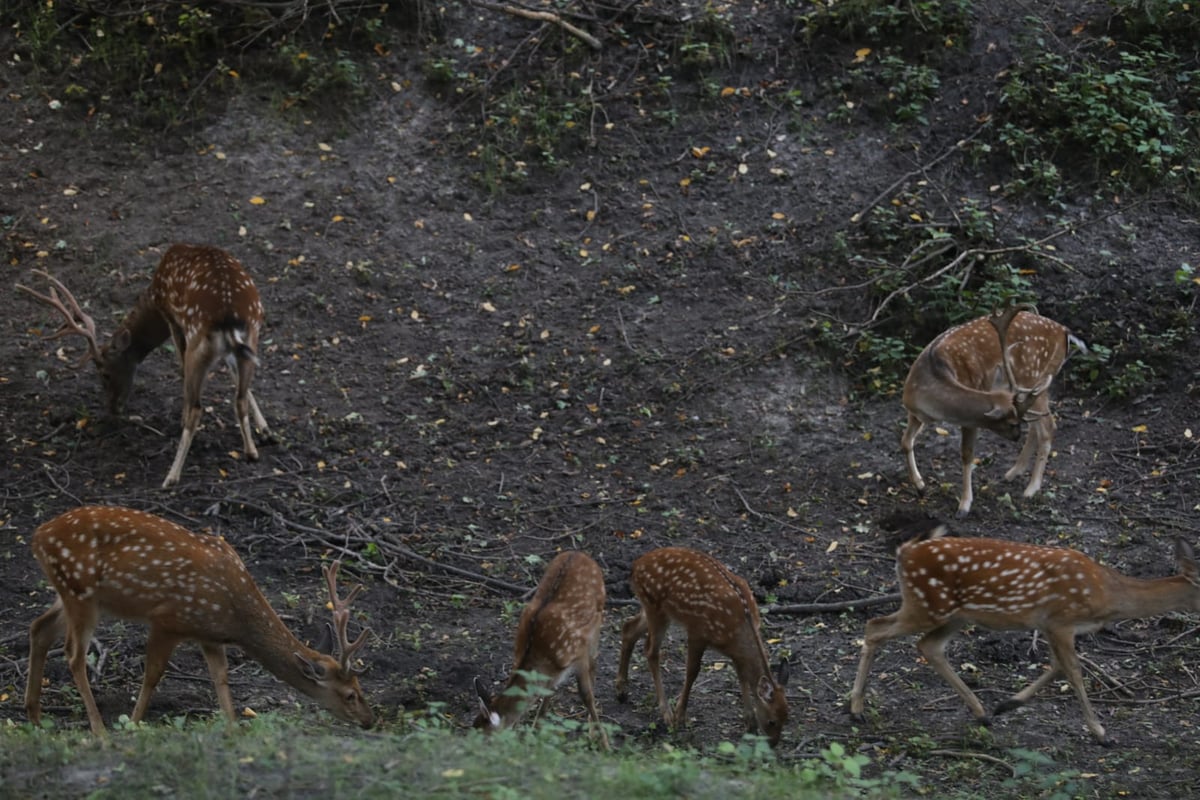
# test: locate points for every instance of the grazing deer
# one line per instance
(716, 608)
(105, 560)
(206, 302)
(991, 373)
(948, 583)
(558, 635)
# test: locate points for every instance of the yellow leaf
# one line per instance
(257, 201)
(248, 712)
(452, 773)
(915, 217)
(324, 148)
(338, 218)
(860, 55)
(1139, 429)
(728, 90)
(700, 152)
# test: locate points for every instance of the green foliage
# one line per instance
(1123, 112)
(1035, 775)
(920, 24)
(421, 755)
(174, 59)
(888, 85)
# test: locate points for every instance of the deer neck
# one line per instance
(1134, 598)
(146, 327)
(268, 641)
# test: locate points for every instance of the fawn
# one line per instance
(716, 608)
(949, 583)
(558, 635)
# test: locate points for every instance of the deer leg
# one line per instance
(1025, 695)
(218, 669)
(654, 637)
(195, 370)
(906, 443)
(585, 682)
(1062, 651)
(82, 623)
(633, 630)
(695, 653)
(242, 407)
(933, 646)
(1044, 428)
(879, 630)
(968, 464)
(159, 647)
(260, 422)
(43, 633)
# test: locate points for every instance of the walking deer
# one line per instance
(717, 609)
(948, 583)
(201, 298)
(106, 560)
(993, 373)
(558, 635)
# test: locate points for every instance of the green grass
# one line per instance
(277, 756)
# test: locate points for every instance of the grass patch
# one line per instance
(276, 756)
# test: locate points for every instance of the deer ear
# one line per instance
(325, 643)
(311, 669)
(997, 413)
(1186, 560)
(766, 690)
(120, 340)
(783, 672)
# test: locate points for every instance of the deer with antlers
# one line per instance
(992, 373)
(717, 609)
(558, 636)
(949, 583)
(204, 300)
(106, 560)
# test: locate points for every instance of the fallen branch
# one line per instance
(541, 16)
(824, 608)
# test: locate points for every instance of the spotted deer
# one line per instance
(992, 373)
(558, 636)
(716, 608)
(204, 300)
(111, 561)
(949, 583)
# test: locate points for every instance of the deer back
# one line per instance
(561, 623)
(204, 290)
(559, 632)
(137, 566)
(959, 377)
(1011, 585)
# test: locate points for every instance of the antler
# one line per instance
(76, 321)
(345, 649)
(1022, 398)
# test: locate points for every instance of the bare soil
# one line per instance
(623, 351)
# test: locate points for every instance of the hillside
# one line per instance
(525, 295)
